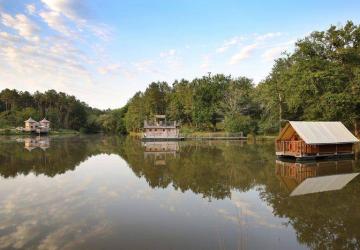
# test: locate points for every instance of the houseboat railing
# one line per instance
(161, 123)
(212, 135)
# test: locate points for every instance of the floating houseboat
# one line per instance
(42, 127)
(160, 129)
(310, 140)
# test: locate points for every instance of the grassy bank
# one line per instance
(13, 131)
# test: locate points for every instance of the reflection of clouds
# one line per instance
(105, 191)
(59, 239)
(69, 209)
(248, 212)
(23, 234)
(146, 194)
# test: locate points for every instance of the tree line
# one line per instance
(64, 111)
(319, 80)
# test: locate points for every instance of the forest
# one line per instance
(319, 80)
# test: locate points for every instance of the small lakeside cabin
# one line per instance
(42, 127)
(161, 129)
(309, 140)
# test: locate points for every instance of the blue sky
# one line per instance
(105, 51)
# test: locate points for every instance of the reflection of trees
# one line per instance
(211, 169)
(327, 220)
(63, 154)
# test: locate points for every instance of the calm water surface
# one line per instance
(97, 192)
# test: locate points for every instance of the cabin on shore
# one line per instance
(42, 127)
(161, 129)
(309, 140)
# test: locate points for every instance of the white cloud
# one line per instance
(268, 36)
(230, 43)
(8, 38)
(22, 24)
(59, 12)
(272, 53)
(72, 9)
(244, 53)
(31, 9)
(56, 21)
(168, 53)
(110, 69)
(147, 66)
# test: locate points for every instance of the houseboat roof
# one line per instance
(325, 132)
(160, 116)
(30, 120)
(44, 121)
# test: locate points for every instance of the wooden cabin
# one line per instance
(161, 129)
(309, 140)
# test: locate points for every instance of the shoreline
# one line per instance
(12, 132)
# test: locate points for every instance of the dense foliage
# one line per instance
(320, 80)
(64, 111)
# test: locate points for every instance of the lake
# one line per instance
(103, 192)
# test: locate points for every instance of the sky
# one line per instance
(104, 51)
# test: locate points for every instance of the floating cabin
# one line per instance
(33, 126)
(310, 140)
(160, 129)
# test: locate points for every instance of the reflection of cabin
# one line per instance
(41, 127)
(36, 142)
(304, 178)
(314, 139)
(160, 150)
(161, 129)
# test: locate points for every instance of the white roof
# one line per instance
(323, 184)
(323, 132)
(30, 120)
(44, 121)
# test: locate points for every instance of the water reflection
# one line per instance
(104, 192)
(159, 151)
(312, 177)
(30, 143)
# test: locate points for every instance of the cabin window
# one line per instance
(164, 130)
(155, 130)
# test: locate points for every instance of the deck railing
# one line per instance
(159, 124)
(212, 135)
